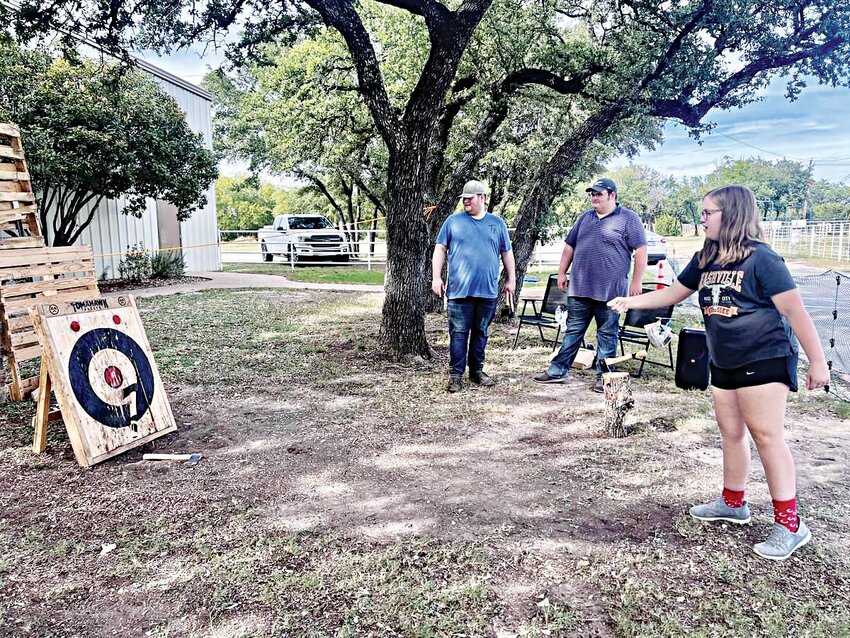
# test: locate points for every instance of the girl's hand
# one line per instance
(619, 304)
(818, 375)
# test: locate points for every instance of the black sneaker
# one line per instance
(482, 379)
(455, 384)
(598, 386)
(545, 377)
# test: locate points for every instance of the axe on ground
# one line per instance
(612, 361)
(191, 459)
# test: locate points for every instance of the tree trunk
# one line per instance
(618, 402)
(403, 323)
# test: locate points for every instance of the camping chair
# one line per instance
(544, 317)
(631, 331)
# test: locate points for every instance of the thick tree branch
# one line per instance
(318, 183)
(343, 17)
(692, 114)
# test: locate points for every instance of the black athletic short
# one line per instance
(778, 370)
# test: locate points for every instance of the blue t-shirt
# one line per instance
(603, 253)
(741, 323)
(474, 248)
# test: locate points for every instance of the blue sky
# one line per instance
(815, 127)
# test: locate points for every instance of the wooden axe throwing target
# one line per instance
(103, 373)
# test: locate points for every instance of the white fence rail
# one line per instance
(367, 248)
(818, 240)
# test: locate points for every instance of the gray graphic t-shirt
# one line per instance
(742, 324)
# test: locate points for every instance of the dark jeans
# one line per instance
(469, 323)
(580, 312)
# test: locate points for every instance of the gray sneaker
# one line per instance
(719, 511)
(782, 542)
(455, 384)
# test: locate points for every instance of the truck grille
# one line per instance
(325, 242)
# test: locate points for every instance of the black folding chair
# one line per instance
(544, 316)
(631, 331)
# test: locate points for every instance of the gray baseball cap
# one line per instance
(472, 188)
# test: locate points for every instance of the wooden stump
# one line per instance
(618, 402)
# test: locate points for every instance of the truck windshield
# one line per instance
(309, 223)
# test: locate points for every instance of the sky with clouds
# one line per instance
(813, 128)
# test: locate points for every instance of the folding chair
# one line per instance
(631, 331)
(544, 316)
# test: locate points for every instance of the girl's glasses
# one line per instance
(708, 212)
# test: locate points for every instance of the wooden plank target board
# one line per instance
(103, 372)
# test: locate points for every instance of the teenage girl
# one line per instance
(750, 305)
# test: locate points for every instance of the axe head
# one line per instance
(194, 458)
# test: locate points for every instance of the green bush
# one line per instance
(166, 265)
(136, 265)
(668, 226)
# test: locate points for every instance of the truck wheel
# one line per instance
(342, 258)
(264, 250)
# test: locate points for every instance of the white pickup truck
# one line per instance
(298, 236)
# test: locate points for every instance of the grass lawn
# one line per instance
(342, 494)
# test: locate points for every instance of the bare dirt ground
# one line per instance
(344, 495)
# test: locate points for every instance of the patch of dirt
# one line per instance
(118, 285)
(327, 460)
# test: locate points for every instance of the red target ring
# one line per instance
(113, 377)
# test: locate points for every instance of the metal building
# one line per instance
(111, 233)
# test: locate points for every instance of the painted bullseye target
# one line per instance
(111, 377)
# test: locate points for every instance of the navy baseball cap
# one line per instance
(603, 184)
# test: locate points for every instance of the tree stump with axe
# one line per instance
(618, 394)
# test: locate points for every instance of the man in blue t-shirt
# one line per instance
(599, 246)
(475, 241)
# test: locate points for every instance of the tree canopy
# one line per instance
(615, 69)
(93, 132)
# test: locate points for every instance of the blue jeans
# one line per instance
(580, 311)
(469, 323)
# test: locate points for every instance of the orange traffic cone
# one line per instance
(661, 284)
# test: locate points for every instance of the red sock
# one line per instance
(785, 513)
(733, 498)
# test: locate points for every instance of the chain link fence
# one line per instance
(827, 298)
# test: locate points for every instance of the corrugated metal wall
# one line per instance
(111, 232)
(200, 232)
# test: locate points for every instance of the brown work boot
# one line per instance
(455, 384)
(482, 379)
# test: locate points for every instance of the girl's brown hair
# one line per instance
(739, 226)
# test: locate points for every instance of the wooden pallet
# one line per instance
(18, 215)
(37, 275)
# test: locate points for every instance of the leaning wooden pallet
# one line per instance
(19, 227)
(37, 275)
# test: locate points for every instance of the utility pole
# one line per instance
(807, 203)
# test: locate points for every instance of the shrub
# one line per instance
(667, 225)
(166, 265)
(136, 264)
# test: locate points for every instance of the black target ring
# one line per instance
(89, 344)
